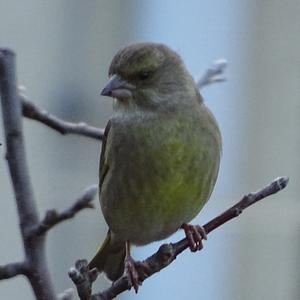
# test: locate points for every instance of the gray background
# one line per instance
(63, 51)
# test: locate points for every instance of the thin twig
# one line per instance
(167, 253)
(31, 111)
(12, 269)
(53, 218)
(213, 74)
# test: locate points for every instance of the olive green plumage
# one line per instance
(161, 153)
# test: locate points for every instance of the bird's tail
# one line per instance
(110, 258)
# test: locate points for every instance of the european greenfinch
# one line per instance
(160, 155)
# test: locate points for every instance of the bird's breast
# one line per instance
(161, 173)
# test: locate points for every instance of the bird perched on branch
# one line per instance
(160, 156)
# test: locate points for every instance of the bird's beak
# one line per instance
(118, 88)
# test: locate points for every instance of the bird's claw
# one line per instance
(194, 234)
(131, 273)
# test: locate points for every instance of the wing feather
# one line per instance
(104, 165)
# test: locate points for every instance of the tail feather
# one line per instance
(110, 258)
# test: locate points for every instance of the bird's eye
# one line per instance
(144, 75)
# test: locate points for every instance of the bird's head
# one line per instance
(148, 76)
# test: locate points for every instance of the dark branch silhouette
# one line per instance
(32, 111)
(39, 276)
(35, 265)
(13, 269)
(53, 218)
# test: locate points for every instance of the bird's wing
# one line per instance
(104, 165)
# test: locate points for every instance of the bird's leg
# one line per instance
(194, 234)
(130, 270)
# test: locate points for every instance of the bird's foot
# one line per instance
(194, 234)
(130, 271)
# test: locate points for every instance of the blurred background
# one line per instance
(63, 52)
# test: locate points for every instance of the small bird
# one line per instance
(160, 156)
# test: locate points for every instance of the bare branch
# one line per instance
(213, 74)
(31, 111)
(53, 218)
(167, 253)
(16, 157)
(83, 278)
(38, 273)
(11, 270)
